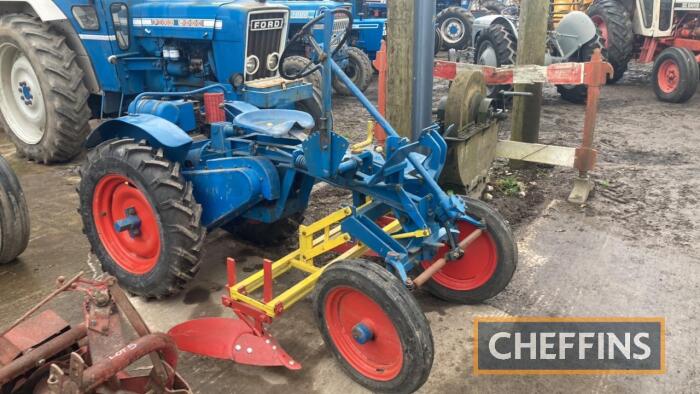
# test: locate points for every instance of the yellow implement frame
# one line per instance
(315, 240)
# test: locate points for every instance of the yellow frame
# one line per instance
(311, 246)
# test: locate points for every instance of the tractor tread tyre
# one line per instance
(507, 251)
(387, 291)
(363, 72)
(688, 78)
(505, 44)
(314, 105)
(266, 234)
(14, 215)
(467, 20)
(494, 6)
(61, 81)
(620, 42)
(578, 94)
(169, 195)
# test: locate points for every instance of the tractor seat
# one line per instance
(275, 122)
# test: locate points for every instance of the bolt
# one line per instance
(237, 347)
(249, 350)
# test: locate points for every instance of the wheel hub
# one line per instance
(668, 76)
(25, 112)
(130, 223)
(452, 30)
(25, 93)
(362, 333)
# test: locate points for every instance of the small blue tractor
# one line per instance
(353, 60)
(150, 191)
(63, 63)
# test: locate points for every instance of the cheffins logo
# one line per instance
(541, 345)
(267, 24)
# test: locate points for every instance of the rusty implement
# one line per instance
(42, 353)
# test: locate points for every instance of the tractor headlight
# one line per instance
(252, 64)
(273, 61)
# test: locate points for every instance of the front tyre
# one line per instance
(314, 105)
(14, 215)
(43, 100)
(373, 326)
(140, 217)
(358, 69)
(675, 75)
(496, 47)
(488, 263)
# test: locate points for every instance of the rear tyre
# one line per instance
(488, 263)
(496, 47)
(373, 326)
(577, 94)
(675, 75)
(14, 215)
(358, 68)
(314, 105)
(124, 179)
(614, 26)
(455, 25)
(43, 101)
(265, 234)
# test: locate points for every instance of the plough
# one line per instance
(149, 192)
(42, 353)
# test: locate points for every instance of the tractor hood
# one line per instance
(194, 19)
(302, 11)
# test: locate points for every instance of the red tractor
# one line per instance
(666, 32)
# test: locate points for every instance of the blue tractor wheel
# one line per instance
(455, 25)
(359, 68)
(43, 100)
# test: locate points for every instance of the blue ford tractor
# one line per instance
(150, 191)
(353, 60)
(63, 63)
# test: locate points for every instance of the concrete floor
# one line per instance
(574, 261)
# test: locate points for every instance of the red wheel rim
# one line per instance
(114, 194)
(602, 29)
(380, 358)
(474, 269)
(668, 76)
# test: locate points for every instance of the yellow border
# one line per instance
(534, 319)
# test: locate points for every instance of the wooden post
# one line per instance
(399, 99)
(532, 35)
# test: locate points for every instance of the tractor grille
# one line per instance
(266, 34)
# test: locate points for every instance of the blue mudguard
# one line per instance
(158, 132)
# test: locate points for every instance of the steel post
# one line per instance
(423, 56)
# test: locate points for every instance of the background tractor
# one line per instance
(495, 39)
(666, 32)
(65, 62)
(354, 61)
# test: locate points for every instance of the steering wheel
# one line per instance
(306, 32)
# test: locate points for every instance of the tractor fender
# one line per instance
(482, 23)
(47, 11)
(574, 31)
(50, 13)
(158, 132)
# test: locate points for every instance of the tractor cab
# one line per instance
(654, 18)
